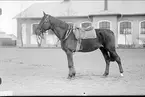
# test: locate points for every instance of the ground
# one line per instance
(44, 72)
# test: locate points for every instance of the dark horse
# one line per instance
(105, 41)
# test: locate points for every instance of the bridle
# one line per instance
(47, 20)
(41, 35)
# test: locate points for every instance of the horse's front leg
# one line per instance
(72, 71)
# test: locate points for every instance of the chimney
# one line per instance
(66, 0)
(105, 4)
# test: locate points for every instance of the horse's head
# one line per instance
(43, 25)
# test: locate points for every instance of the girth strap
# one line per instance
(70, 29)
(78, 47)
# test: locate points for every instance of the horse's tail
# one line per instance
(107, 38)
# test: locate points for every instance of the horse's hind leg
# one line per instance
(115, 57)
(107, 60)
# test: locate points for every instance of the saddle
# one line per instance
(88, 28)
(84, 32)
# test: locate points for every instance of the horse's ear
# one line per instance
(44, 13)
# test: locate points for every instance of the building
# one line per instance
(7, 39)
(125, 18)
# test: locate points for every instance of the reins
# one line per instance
(66, 35)
(68, 32)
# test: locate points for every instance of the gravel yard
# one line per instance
(32, 71)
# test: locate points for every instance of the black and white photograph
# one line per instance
(72, 47)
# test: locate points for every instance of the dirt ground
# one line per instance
(44, 72)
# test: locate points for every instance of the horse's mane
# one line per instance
(58, 22)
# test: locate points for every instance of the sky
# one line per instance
(9, 10)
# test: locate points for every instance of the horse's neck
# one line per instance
(58, 28)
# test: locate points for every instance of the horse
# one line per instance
(105, 41)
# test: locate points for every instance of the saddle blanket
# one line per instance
(82, 34)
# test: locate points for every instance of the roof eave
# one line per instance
(105, 15)
(135, 14)
(55, 16)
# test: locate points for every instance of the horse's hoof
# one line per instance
(70, 77)
(73, 75)
(121, 74)
(105, 74)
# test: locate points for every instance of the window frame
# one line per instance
(32, 27)
(140, 28)
(125, 21)
(104, 21)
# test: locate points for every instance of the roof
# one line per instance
(59, 8)
(2, 32)
(105, 12)
(82, 8)
(4, 35)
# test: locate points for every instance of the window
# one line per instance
(125, 27)
(142, 29)
(104, 25)
(34, 26)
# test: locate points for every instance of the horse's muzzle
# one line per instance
(39, 33)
